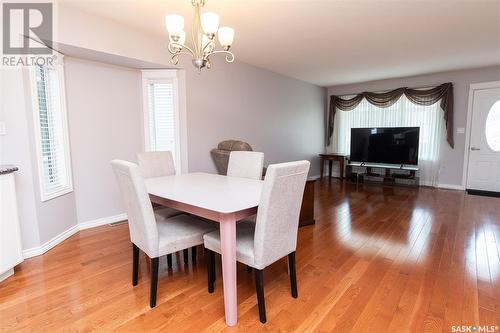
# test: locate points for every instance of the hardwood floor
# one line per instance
(377, 260)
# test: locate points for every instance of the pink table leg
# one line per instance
(228, 247)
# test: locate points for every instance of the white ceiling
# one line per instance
(329, 42)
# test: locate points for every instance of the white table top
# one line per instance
(213, 192)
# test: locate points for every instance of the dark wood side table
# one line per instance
(330, 158)
(307, 209)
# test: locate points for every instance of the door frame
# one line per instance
(473, 87)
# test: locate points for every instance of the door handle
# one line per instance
(475, 148)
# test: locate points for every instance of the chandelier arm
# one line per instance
(180, 47)
(229, 55)
(209, 43)
(175, 56)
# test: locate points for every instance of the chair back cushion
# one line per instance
(245, 164)
(278, 214)
(156, 164)
(141, 220)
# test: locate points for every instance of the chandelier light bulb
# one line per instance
(179, 39)
(226, 36)
(210, 23)
(175, 24)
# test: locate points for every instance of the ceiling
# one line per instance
(331, 42)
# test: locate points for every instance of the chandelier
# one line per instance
(205, 28)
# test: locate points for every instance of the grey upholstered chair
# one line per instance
(154, 237)
(274, 235)
(245, 164)
(160, 164)
(156, 164)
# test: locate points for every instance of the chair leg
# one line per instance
(211, 270)
(194, 251)
(186, 256)
(135, 264)
(293, 274)
(259, 286)
(169, 260)
(154, 281)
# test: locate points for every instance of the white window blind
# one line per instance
(52, 145)
(161, 109)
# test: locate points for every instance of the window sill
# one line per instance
(55, 194)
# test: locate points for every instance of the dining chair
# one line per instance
(245, 164)
(274, 235)
(160, 164)
(154, 237)
(156, 163)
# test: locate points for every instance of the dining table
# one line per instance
(219, 198)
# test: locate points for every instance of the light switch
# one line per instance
(460, 130)
(3, 130)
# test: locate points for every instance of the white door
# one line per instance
(483, 172)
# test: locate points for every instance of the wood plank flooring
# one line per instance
(379, 259)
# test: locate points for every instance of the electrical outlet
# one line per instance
(3, 130)
(460, 130)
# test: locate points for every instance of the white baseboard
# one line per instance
(39, 250)
(7, 274)
(451, 187)
(102, 221)
(36, 251)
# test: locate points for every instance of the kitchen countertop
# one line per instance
(7, 168)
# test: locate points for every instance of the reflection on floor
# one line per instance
(378, 259)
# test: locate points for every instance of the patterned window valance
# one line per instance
(443, 93)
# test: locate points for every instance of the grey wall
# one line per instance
(280, 116)
(105, 122)
(15, 149)
(57, 215)
(40, 221)
(451, 169)
(104, 106)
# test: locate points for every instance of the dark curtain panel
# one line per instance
(443, 93)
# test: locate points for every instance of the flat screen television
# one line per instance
(390, 145)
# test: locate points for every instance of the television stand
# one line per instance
(386, 174)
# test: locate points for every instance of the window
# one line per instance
(161, 112)
(161, 116)
(403, 113)
(51, 133)
(492, 127)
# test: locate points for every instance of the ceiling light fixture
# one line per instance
(205, 28)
